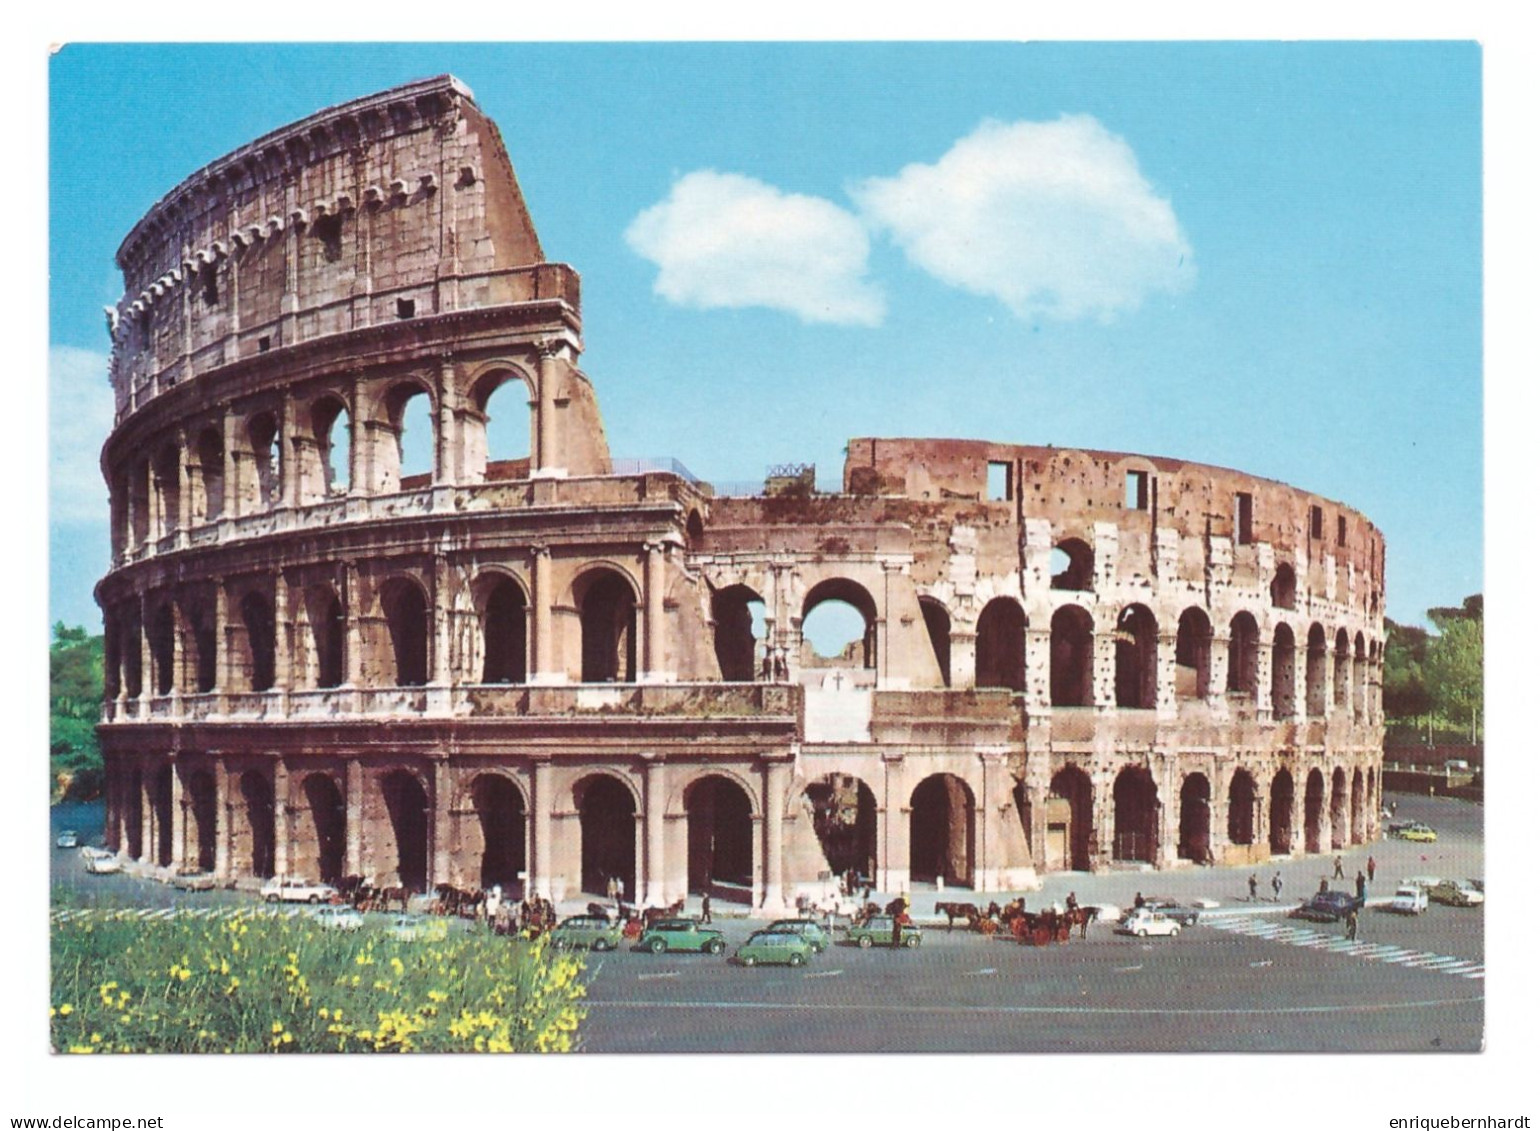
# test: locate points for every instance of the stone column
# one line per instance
(353, 853)
(234, 496)
(440, 619)
(893, 838)
(358, 434)
(963, 655)
(1039, 661)
(654, 775)
(548, 458)
(543, 599)
(288, 454)
(653, 667)
(442, 791)
(178, 820)
(146, 661)
(352, 605)
(222, 822)
(777, 773)
(280, 818)
(221, 637)
(1165, 675)
(541, 848)
(183, 488)
(283, 634)
(1104, 669)
(1218, 675)
(147, 835)
(1264, 678)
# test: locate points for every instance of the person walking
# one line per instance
(1362, 886)
(1277, 886)
(1252, 883)
(705, 908)
(1352, 925)
(1337, 873)
(898, 931)
(1370, 869)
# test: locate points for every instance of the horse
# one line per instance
(965, 911)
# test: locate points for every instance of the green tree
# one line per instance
(1454, 665)
(75, 667)
(1406, 693)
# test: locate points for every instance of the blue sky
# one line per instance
(1262, 256)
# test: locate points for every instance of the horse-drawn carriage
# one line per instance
(1040, 929)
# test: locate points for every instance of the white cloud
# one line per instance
(80, 413)
(1051, 218)
(725, 240)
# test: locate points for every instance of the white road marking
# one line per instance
(1264, 962)
(824, 974)
(650, 977)
(976, 973)
(1126, 969)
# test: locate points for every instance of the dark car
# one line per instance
(1326, 906)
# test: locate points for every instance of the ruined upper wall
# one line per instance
(400, 205)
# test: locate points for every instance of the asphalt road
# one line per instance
(1246, 978)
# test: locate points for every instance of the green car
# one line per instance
(681, 934)
(592, 931)
(809, 929)
(878, 931)
(774, 948)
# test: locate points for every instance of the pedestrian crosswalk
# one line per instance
(1311, 939)
(117, 914)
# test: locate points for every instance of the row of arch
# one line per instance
(336, 442)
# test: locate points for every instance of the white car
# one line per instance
(100, 862)
(337, 918)
(1456, 893)
(1143, 922)
(1426, 883)
(69, 838)
(1410, 899)
(297, 891)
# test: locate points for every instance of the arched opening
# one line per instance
(607, 615)
(941, 832)
(160, 813)
(202, 810)
(168, 487)
(254, 833)
(1315, 672)
(1360, 680)
(1070, 657)
(406, 619)
(410, 411)
(1373, 801)
(406, 804)
(1000, 658)
(1241, 677)
(839, 626)
(607, 822)
(1069, 812)
(333, 440)
(694, 532)
(1283, 672)
(258, 655)
(328, 819)
(738, 632)
(1339, 808)
(163, 650)
(205, 658)
(327, 633)
(1136, 658)
(211, 473)
(1194, 636)
(1072, 565)
(1315, 789)
(1360, 832)
(845, 821)
(1193, 828)
(262, 434)
(504, 633)
(133, 816)
(1282, 588)
(1342, 674)
(500, 819)
(504, 400)
(1243, 808)
(133, 663)
(1135, 815)
(938, 626)
(1280, 814)
(720, 844)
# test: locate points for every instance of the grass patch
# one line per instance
(259, 983)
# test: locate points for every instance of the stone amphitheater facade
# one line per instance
(549, 670)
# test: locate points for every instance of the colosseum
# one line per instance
(551, 667)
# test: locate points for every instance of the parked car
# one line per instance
(340, 918)
(809, 929)
(1326, 907)
(775, 948)
(1408, 900)
(1479, 885)
(1171, 909)
(297, 891)
(1413, 830)
(681, 934)
(193, 881)
(594, 932)
(1426, 883)
(417, 928)
(1145, 922)
(878, 931)
(68, 838)
(1456, 893)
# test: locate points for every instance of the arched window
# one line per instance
(1245, 638)
(404, 458)
(1243, 806)
(162, 631)
(406, 618)
(839, 625)
(738, 632)
(261, 637)
(211, 472)
(1070, 658)
(1315, 672)
(1073, 565)
(504, 618)
(1282, 588)
(327, 633)
(1000, 657)
(262, 432)
(1283, 672)
(501, 438)
(1193, 637)
(1136, 658)
(1342, 674)
(332, 431)
(607, 614)
(938, 626)
(168, 488)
